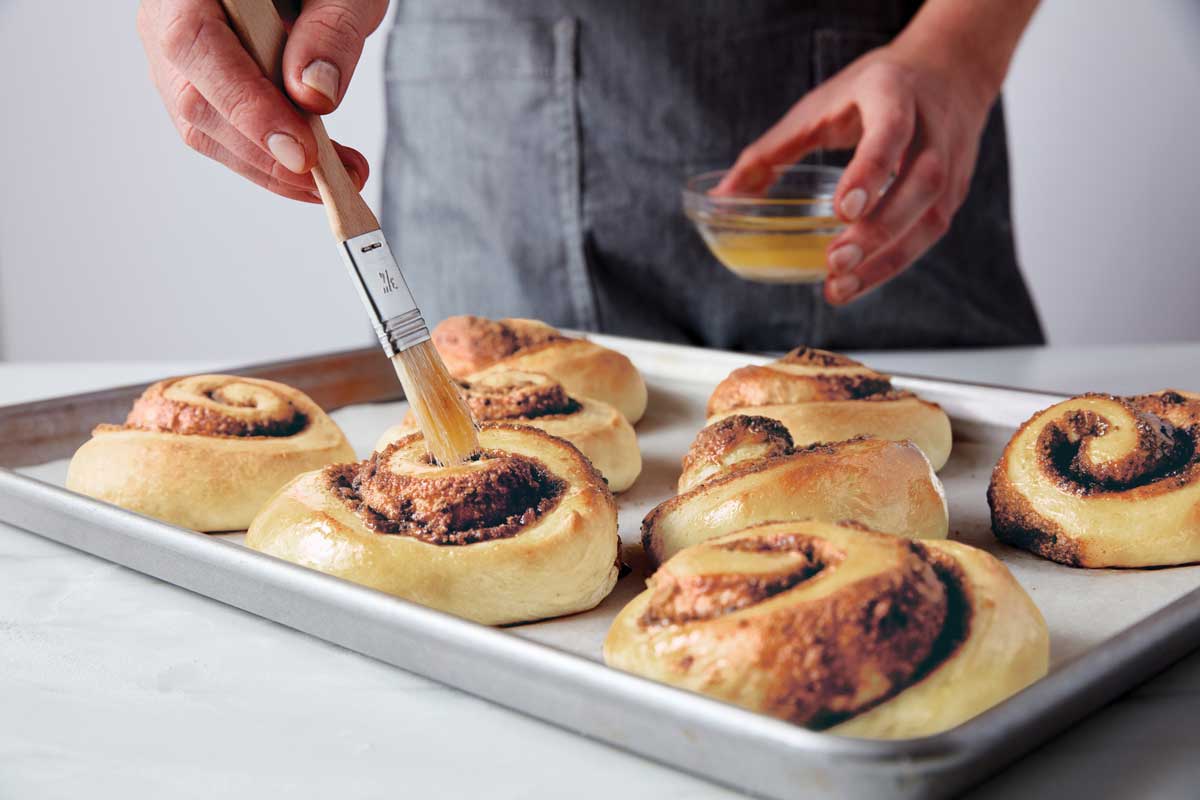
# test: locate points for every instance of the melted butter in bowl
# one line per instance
(779, 236)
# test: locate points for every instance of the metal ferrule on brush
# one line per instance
(384, 292)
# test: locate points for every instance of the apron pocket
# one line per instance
(471, 50)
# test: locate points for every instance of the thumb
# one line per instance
(323, 50)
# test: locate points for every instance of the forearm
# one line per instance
(976, 35)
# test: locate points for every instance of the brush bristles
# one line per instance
(441, 412)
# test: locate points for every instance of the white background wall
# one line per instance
(118, 243)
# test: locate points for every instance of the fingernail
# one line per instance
(854, 202)
(323, 77)
(287, 151)
(843, 287)
(845, 258)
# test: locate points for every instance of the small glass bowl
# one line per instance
(778, 236)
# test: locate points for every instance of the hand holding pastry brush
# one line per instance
(440, 411)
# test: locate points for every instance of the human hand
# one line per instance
(915, 124)
(226, 109)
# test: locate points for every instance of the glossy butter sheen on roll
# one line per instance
(528, 398)
(206, 451)
(585, 369)
(836, 627)
(743, 470)
(526, 531)
(1104, 481)
(826, 397)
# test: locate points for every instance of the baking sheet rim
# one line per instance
(956, 756)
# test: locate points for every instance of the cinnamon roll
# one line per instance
(206, 451)
(585, 369)
(742, 470)
(836, 627)
(826, 397)
(599, 431)
(526, 531)
(1104, 481)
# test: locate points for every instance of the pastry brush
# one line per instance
(441, 413)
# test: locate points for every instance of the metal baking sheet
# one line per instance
(1109, 628)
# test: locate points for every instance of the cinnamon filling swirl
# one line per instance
(858, 383)
(494, 496)
(1174, 407)
(1124, 446)
(215, 406)
(739, 445)
(511, 396)
(803, 375)
(811, 356)
(689, 598)
(835, 655)
(745, 435)
(1071, 476)
(957, 622)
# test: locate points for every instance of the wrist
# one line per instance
(963, 80)
(973, 41)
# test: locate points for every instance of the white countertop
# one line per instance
(116, 685)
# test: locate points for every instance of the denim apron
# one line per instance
(536, 150)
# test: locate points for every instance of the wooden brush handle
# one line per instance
(258, 25)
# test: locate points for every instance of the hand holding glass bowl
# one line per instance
(778, 236)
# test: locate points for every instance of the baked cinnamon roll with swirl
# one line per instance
(525, 531)
(1104, 481)
(826, 397)
(742, 470)
(836, 627)
(585, 369)
(206, 451)
(599, 431)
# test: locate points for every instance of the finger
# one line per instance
(147, 21)
(892, 259)
(821, 119)
(356, 163)
(897, 255)
(192, 108)
(199, 113)
(206, 146)
(918, 188)
(189, 110)
(199, 43)
(193, 111)
(888, 122)
(324, 47)
(194, 115)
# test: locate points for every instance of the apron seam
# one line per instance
(569, 161)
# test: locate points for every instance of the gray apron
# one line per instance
(536, 150)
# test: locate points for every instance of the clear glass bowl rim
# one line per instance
(823, 176)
